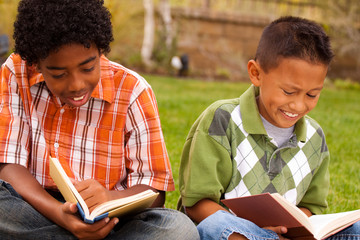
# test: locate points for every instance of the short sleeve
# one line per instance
(146, 157)
(206, 166)
(14, 128)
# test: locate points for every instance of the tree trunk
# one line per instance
(149, 33)
(165, 12)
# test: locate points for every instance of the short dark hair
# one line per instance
(43, 26)
(293, 37)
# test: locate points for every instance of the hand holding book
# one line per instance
(118, 207)
(274, 210)
(93, 193)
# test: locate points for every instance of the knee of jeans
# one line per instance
(216, 219)
(215, 225)
(354, 229)
(221, 225)
(6, 188)
(185, 223)
(177, 224)
(357, 225)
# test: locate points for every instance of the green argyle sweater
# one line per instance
(228, 154)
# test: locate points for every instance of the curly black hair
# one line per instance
(43, 26)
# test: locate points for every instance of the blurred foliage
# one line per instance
(346, 84)
(341, 18)
(128, 25)
(8, 10)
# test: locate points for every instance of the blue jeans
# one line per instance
(221, 225)
(19, 220)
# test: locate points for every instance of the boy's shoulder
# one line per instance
(227, 105)
(219, 112)
(22, 72)
(313, 123)
(222, 111)
(220, 107)
(15, 60)
(123, 79)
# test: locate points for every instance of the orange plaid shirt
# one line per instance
(115, 138)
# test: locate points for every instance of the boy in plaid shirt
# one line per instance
(61, 97)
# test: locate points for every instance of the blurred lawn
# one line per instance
(181, 101)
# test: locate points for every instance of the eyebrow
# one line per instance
(296, 88)
(63, 68)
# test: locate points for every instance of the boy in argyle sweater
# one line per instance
(263, 141)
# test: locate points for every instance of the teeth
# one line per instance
(291, 114)
(79, 98)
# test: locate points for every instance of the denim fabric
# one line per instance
(221, 225)
(19, 220)
(350, 233)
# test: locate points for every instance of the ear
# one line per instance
(254, 72)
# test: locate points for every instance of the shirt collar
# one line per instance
(104, 89)
(251, 117)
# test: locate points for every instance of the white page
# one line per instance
(320, 221)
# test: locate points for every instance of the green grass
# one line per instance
(181, 101)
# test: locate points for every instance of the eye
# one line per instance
(89, 69)
(58, 76)
(311, 96)
(288, 93)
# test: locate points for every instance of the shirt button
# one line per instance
(56, 145)
(62, 110)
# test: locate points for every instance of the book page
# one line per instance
(112, 208)
(295, 211)
(108, 206)
(336, 221)
(65, 185)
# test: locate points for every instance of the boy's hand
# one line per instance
(93, 193)
(70, 221)
(279, 230)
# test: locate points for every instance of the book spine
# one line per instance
(87, 220)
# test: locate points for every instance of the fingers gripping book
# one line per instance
(267, 210)
(113, 208)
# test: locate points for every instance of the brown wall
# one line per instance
(219, 46)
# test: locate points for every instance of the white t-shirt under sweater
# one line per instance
(279, 135)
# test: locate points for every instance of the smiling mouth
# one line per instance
(79, 98)
(292, 115)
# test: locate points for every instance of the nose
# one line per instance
(298, 105)
(76, 83)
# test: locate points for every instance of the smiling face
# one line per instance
(289, 91)
(72, 73)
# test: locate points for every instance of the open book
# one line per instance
(112, 208)
(274, 210)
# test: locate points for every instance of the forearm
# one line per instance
(306, 211)
(203, 209)
(61, 214)
(31, 191)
